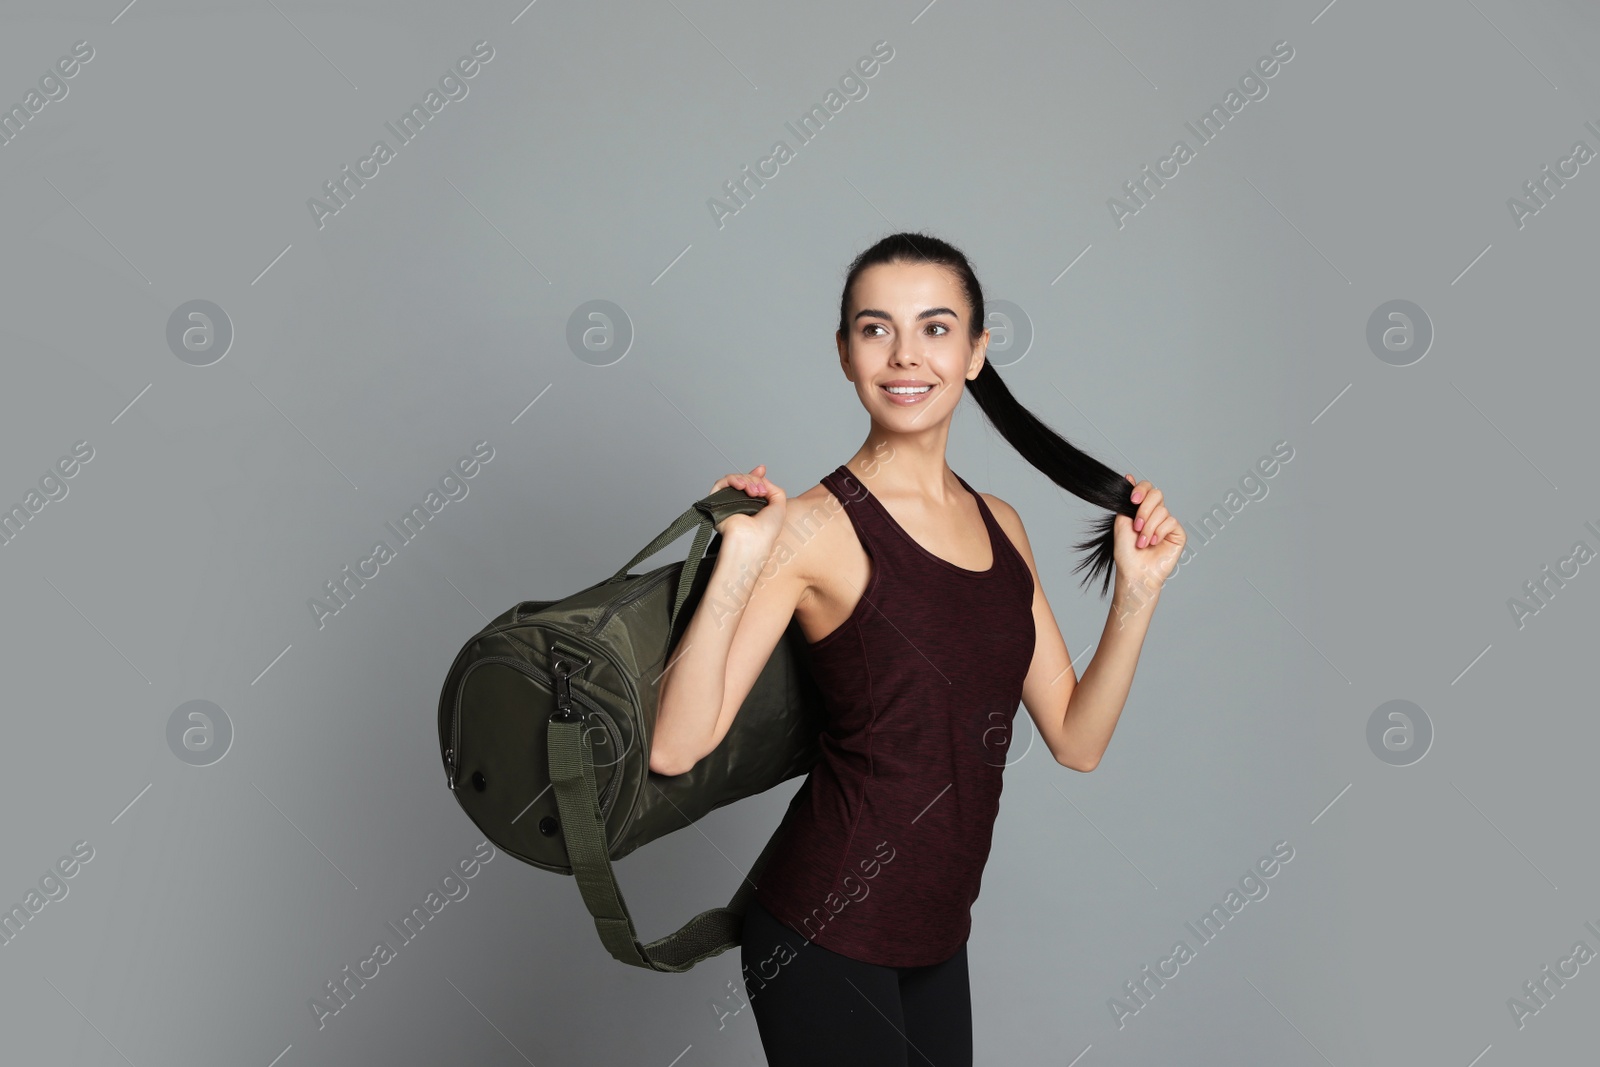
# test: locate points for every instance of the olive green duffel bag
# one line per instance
(546, 719)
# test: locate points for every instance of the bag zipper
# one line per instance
(609, 724)
(639, 590)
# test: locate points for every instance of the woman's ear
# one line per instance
(980, 352)
(844, 353)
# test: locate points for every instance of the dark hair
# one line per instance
(1063, 462)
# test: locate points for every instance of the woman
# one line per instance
(926, 624)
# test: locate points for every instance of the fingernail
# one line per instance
(1138, 524)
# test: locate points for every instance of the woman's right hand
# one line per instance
(760, 531)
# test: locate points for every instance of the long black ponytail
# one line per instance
(1059, 459)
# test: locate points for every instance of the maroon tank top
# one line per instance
(885, 842)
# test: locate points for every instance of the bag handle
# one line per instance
(583, 829)
(704, 514)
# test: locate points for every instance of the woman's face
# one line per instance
(909, 323)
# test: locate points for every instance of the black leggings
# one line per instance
(818, 1007)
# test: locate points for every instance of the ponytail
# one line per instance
(1059, 459)
(1064, 463)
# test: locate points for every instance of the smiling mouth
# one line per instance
(906, 395)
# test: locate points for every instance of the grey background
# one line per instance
(369, 355)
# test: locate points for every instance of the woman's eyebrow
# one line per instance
(930, 313)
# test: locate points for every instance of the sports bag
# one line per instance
(546, 719)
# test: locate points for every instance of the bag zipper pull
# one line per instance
(566, 710)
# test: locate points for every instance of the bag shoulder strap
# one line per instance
(582, 826)
(704, 514)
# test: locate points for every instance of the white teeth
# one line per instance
(909, 388)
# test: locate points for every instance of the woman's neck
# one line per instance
(911, 465)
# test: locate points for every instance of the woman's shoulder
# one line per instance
(807, 526)
(815, 537)
(1011, 523)
(1002, 511)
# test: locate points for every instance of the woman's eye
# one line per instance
(941, 327)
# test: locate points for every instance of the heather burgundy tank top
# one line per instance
(885, 842)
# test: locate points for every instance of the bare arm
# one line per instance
(747, 606)
(1076, 717)
(1085, 729)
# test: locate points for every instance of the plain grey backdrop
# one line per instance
(234, 456)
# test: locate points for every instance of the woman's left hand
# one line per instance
(1146, 546)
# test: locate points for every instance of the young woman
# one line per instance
(926, 625)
